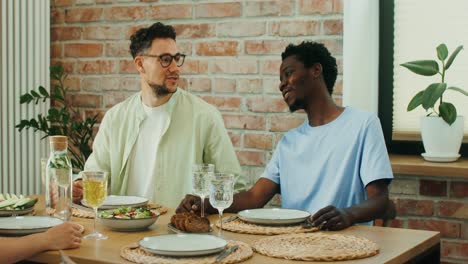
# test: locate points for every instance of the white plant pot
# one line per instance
(441, 141)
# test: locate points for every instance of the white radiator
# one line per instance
(25, 59)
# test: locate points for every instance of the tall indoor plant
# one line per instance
(61, 119)
(441, 128)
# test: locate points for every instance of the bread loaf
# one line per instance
(190, 223)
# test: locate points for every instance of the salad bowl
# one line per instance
(128, 218)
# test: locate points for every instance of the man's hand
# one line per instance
(77, 191)
(336, 219)
(190, 204)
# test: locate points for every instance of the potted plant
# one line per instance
(61, 119)
(441, 128)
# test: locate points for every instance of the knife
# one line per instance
(230, 219)
(174, 229)
(226, 253)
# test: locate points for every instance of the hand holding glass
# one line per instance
(221, 194)
(202, 173)
(94, 194)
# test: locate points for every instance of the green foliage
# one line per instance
(423, 67)
(60, 161)
(428, 97)
(61, 119)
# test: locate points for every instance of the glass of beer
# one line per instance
(94, 195)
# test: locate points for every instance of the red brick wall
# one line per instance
(233, 59)
(437, 204)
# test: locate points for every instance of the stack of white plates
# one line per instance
(25, 225)
(183, 244)
(273, 216)
(116, 201)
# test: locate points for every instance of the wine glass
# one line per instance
(63, 179)
(94, 195)
(221, 194)
(202, 173)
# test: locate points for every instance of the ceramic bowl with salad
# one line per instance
(128, 218)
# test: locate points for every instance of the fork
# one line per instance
(64, 259)
(226, 252)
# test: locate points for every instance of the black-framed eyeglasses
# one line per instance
(166, 59)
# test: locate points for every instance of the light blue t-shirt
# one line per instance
(330, 164)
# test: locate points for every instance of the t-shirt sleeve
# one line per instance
(375, 163)
(272, 170)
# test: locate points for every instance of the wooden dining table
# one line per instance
(396, 245)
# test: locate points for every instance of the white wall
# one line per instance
(24, 65)
(361, 54)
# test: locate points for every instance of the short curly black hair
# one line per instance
(142, 39)
(309, 53)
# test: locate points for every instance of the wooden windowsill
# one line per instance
(416, 165)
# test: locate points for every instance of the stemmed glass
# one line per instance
(63, 178)
(94, 195)
(202, 173)
(221, 194)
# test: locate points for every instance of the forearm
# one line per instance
(16, 249)
(368, 210)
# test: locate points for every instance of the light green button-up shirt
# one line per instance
(196, 134)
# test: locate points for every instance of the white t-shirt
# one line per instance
(142, 160)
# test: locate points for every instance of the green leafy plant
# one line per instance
(428, 97)
(61, 119)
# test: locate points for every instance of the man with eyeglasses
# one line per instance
(149, 142)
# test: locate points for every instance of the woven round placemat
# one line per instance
(136, 254)
(239, 226)
(77, 212)
(317, 246)
(82, 213)
(160, 208)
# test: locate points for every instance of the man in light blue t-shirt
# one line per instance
(335, 165)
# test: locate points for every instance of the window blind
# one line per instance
(420, 26)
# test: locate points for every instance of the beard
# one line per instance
(160, 90)
(297, 105)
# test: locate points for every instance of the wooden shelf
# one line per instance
(416, 165)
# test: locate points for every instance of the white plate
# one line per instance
(16, 212)
(183, 244)
(273, 216)
(440, 158)
(24, 225)
(115, 201)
